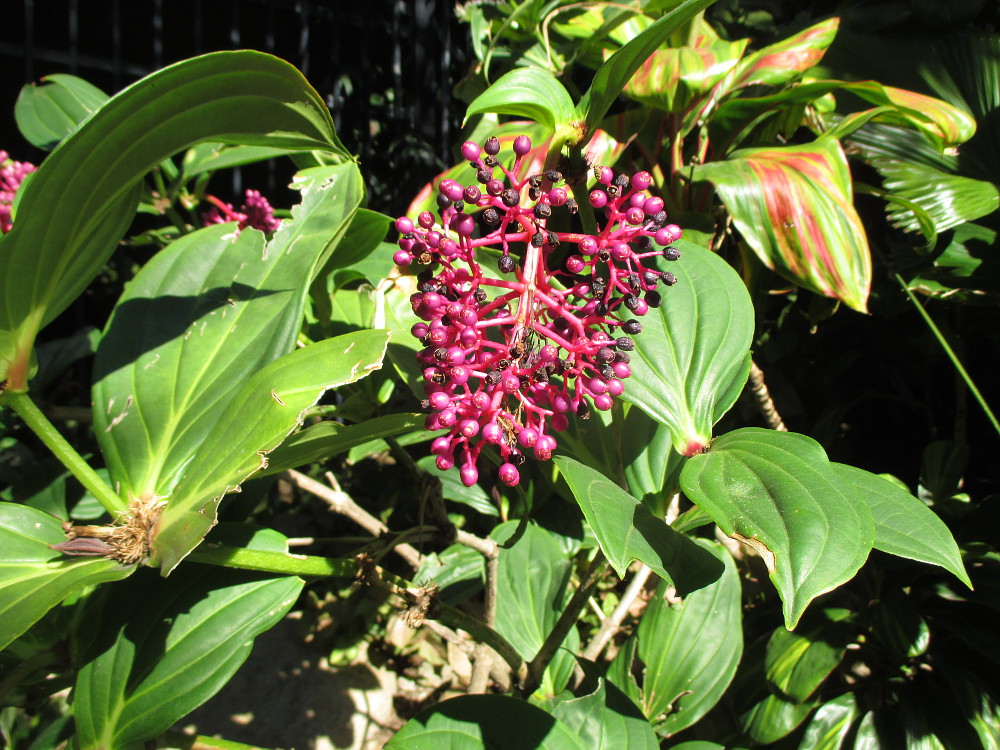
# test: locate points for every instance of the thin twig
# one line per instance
(342, 503)
(612, 624)
(763, 398)
(484, 663)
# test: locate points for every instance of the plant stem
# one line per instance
(762, 396)
(66, 453)
(612, 624)
(568, 618)
(955, 361)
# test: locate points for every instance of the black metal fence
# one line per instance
(386, 68)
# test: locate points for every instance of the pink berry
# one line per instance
(445, 461)
(588, 246)
(574, 264)
(604, 175)
(470, 475)
(468, 428)
(635, 216)
(528, 437)
(404, 225)
(642, 180)
(439, 400)
(493, 433)
(402, 258)
(426, 219)
(604, 402)
(509, 475)
(615, 387)
(652, 206)
(598, 198)
(522, 145)
(470, 151)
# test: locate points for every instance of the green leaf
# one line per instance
(612, 77)
(649, 460)
(795, 207)
(211, 157)
(48, 113)
(798, 662)
(773, 718)
(693, 356)
(690, 649)
(777, 492)
(527, 92)
(260, 415)
(327, 439)
(33, 577)
(201, 317)
(942, 467)
(478, 722)
(830, 725)
(531, 592)
(162, 648)
(78, 204)
(904, 526)
(607, 718)
(627, 531)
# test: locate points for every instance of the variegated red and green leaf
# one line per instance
(675, 79)
(942, 122)
(788, 59)
(795, 207)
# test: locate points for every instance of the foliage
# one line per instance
(750, 586)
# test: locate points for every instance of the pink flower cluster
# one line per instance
(12, 174)
(255, 212)
(509, 355)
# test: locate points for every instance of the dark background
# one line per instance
(384, 67)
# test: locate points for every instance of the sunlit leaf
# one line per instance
(786, 61)
(33, 576)
(777, 493)
(628, 531)
(527, 92)
(795, 207)
(47, 113)
(692, 357)
(798, 662)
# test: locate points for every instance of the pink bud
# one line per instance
(588, 246)
(621, 251)
(642, 180)
(510, 383)
(604, 175)
(528, 437)
(439, 400)
(493, 433)
(468, 428)
(451, 189)
(402, 258)
(463, 225)
(598, 198)
(574, 263)
(557, 196)
(615, 386)
(404, 225)
(441, 445)
(426, 219)
(622, 370)
(652, 206)
(635, 216)
(604, 402)
(522, 145)
(470, 475)
(445, 461)
(470, 151)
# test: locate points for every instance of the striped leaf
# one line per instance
(788, 59)
(795, 207)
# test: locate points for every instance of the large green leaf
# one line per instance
(532, 580)
(48, 113)
(772, 718)
(481, 722)
(795, 207)
(527, 92)
(162, 648)
(611, 78)
(693, 356)
(80, 201)
(777, 492)
(33, 577)
(904, 526)
(607, 718)
(649, 461)
(690, 649)
(201, 317)
(627, 531)
(798, 662)
(260, 415)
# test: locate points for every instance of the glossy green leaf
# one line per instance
(607, 718)
(795, 207)
(211, 157)
(328, 438)
(532, 580)
(260, 415)
(904, 526)
(458, 570)
(831, 724)
(778, 493)
(627, 531)
(47, 113)
(690, 649)
(773, 718)
(80, 201)
(693, 356)
(527, 92)
(949, 199)
(786, 61)
(33, 577)
(201, 317)
(797, 662)
(611, 78)
(481, 722)
(162, 648)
